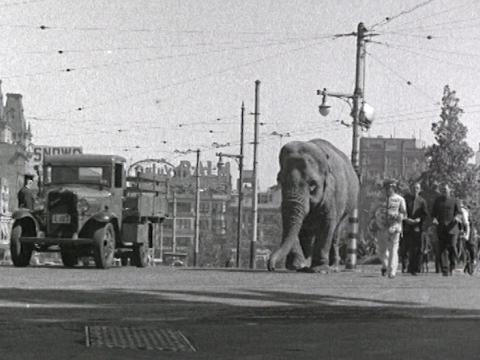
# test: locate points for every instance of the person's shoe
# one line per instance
(391, 276)
(384, 272)
(445, 273)
(413, 273)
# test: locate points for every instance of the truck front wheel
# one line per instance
(20, 253)
(104, 246)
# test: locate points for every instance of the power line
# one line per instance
(405, 80)
(17, 3)
(144, 60)
(428, 56)
(449, 10)
(401, 13)
(49, 27)
(188, 80)
(430, 27)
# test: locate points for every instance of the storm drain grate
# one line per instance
(137, 338)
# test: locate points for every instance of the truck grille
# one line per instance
(62, 214)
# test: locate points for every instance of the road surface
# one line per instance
(53, 312)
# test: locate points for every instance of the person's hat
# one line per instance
(28, 177)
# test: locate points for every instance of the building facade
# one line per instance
(15, 144)
(397, 158)
(178, 184)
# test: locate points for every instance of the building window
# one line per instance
(168, 223)
(204, 224)
(218, 207)
(184, 241)
(204, 207)
(184, 224)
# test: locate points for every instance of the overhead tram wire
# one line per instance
(430, 27)
(405, 80)
(186, 81)
(389, 19)
(449, 10)
(257, 44)
(137, 61)
(418, 53)
(19, 3)
(49, 27)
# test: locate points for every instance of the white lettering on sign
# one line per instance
(39, 152)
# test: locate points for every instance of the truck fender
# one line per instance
(102, 217)
(24, 215)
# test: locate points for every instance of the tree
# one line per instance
(447, 159)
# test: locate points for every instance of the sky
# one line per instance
(150, 78)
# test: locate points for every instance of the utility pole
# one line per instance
(240, 187)
(197, 210)
(358, 116)
(174, 225)
(358, 97)
(253, 243)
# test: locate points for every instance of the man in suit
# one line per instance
(25, 196)
(447, 215)
(417, 211)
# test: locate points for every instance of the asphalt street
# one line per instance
(53, 313)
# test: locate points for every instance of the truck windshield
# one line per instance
(78, 175)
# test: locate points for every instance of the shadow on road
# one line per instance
(201, 306)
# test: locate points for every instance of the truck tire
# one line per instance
(69, 258)
(20, 253)
(140, 255)
(104, 246)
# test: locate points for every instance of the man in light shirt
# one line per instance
(394, 211)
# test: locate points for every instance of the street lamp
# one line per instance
(362, 115)
(324, 109)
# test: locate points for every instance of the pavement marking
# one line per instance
(137, 338)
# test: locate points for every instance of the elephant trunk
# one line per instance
(293, 214)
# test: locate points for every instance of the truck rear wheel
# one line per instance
(140, 255)
(20, 253)
(104, 246)
(69, 258)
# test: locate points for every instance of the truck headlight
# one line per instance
(83, 206)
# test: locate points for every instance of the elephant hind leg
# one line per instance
(334, 256)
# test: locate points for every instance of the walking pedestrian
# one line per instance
(417, 211)
(426, 249)
(389, 235)
(447, 215)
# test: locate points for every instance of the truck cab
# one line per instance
(83, 198)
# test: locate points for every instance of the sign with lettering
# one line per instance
(39, 152)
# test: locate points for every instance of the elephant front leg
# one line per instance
(299, 257)
(322, 247)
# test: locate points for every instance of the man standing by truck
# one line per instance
(26, 198)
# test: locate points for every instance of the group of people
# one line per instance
(402, 232)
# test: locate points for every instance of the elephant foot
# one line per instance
(272, 261)
(295, 261)
(319, 269)
(335, 268)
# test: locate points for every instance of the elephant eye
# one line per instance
(312, 185)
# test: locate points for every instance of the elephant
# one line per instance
(319, 192)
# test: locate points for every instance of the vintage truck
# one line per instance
(88, 211)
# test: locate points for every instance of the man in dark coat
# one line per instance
(25, 195)
(417, 211)
(447, 215)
